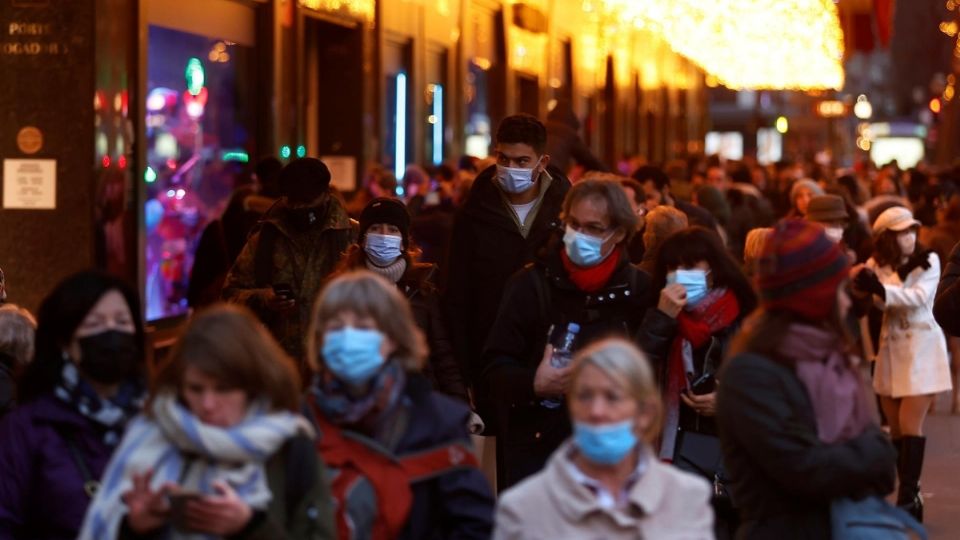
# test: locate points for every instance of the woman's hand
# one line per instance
(672, 299)
(705, 404)
(222, 515)
(146, 510)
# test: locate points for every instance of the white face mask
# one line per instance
(907, 242)
(516, 180)
(834, 233)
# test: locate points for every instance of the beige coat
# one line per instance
(665, 504)
(912, 355)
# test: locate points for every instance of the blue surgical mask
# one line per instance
(382, 249)
(583, 249)
(605, 444)
(516, 180)
(694, 281)
(353, 354)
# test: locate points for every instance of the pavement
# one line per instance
(940, 481)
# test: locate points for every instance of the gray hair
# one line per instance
(622, 361)
(608, 189)
(17, 329)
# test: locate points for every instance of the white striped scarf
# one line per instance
(166, 443)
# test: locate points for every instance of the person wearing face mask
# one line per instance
(75, 400)
(399, 454)
(290, 253)
(219, 449)
(830, 212)
(385, 247)
(507, 218)
(605, 481)
(582, 276)
(704, 296)
(911, 364)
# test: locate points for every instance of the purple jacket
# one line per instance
(41, 487)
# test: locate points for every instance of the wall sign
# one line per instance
(30, 184)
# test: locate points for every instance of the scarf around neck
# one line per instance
(335, 401)
(718, 310)
(836, 390)
(111, 414)
(393, 271)
(179, 448)
(592, 278)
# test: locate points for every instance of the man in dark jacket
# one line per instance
(656, 189)
(946, 309)
(291, 252)
(508, 216)
(598, 289)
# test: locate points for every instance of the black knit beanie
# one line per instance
(385, 210)
(303, 180)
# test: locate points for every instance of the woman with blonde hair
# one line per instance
(220, 449)
(606, 480)
(400, 454)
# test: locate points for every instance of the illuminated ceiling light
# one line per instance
(731, 39)
(935, 106)
(358, 8)
(948, 93)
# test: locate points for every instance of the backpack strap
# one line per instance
(263, 256)
(427, 464)
(542, 289)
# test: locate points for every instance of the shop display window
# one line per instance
(198, 141)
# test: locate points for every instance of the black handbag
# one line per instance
(700, 454)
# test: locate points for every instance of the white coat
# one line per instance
(912, 353)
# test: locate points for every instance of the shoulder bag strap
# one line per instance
(90, 484)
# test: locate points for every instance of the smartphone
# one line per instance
(283, 290)
(178, 507)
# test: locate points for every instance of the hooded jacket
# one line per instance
(300, 258)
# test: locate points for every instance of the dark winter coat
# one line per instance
(946, 309)
(442, 368)
(537, 297)
(486, 248)
(41, 485)
(656, 337)
(783, 477)
(455, 504)
(301, 259)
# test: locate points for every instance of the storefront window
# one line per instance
(478, 133)
(198, 128)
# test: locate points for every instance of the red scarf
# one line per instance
(718, 310)
(591, 278)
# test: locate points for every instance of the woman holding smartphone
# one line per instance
(703, 298)
(219, 450)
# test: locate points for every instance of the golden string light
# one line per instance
(754, 44)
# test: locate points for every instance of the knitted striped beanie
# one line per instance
(800, 270)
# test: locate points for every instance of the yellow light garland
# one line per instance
(745, 43)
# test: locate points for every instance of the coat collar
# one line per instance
(576, 501)
(486, 201)
(47, 409)
(336, 217)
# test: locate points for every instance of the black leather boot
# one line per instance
(909, 466)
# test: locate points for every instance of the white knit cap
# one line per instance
(896, 219)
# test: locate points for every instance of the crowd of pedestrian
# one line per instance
(676, 352)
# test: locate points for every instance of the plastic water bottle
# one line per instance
(562, 354)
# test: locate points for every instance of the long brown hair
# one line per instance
(227, 343)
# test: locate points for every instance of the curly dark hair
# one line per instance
(688, 247)
(523, 128)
